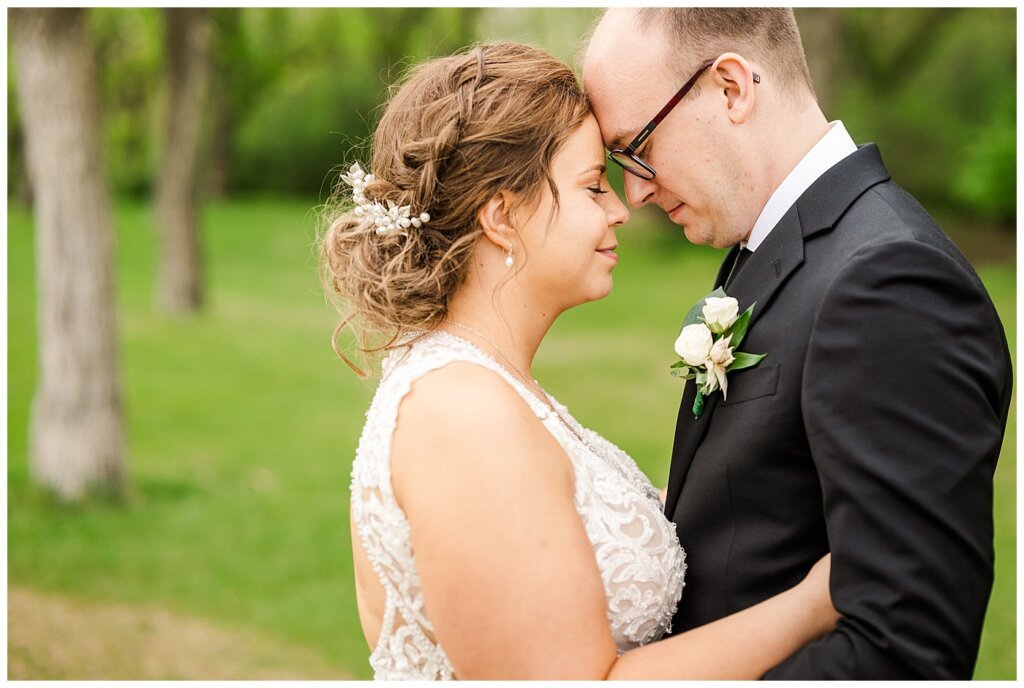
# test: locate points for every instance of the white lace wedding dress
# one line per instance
(635, 546)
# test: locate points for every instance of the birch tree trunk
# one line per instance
(76, 438)
(188, 37)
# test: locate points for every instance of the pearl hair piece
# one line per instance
(393, 219)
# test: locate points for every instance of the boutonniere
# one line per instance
(707, 345)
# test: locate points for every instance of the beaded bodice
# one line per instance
(635, 546)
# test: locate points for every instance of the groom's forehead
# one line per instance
(619, 119)
(625, 92)
(618, 107)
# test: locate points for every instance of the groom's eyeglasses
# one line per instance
(627, 158)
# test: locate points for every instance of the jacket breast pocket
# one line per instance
(752, 383)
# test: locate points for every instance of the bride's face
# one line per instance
(570, 260)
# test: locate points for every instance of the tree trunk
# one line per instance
(188, 35)
(76, 438)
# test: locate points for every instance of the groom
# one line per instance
(872, 427)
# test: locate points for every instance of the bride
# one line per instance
(494, 537)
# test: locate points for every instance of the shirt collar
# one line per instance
(835, 145)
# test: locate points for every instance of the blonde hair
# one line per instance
(456, 131)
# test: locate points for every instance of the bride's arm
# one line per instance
(744, 645)
(509, 577)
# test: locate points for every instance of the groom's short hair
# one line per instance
(766, 34)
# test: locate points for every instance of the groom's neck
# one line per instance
(788, 135)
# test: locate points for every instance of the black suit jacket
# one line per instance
(871, 430)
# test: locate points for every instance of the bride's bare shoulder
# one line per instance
(462, 383)
(464, 419)
(461, 396)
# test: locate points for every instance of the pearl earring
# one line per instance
(508, 258)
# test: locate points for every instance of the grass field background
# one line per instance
(242, 425)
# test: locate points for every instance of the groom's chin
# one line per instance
(703, 236)
(695, 236)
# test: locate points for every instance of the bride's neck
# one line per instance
(508, 319)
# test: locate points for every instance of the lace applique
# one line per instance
(638, 554)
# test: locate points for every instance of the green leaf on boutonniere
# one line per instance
(685, 374)
(681, 370)
(694, 316)
(742, 360)
(698, 405)
(739, 328)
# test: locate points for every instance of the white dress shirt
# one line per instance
(835, 145)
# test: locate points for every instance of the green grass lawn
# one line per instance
(242, 425)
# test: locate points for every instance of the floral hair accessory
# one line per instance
(392, 219)
(707, 345)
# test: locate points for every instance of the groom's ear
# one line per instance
(495, 218)
(735, 78)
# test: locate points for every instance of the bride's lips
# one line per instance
(609, 252)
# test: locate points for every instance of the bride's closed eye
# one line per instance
(598, 184)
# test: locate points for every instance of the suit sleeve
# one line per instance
(905, 390)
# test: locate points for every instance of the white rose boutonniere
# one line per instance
(694, 344)
(707, 345)
(720, 313)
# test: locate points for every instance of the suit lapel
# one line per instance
(817, 210)
(689, 434)
(726, 267)
(782, 252)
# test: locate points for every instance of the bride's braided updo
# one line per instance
(455, 132)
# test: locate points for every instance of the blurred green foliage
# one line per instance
(328, 71)
(297, 91)
(936, 89)
(129, 59)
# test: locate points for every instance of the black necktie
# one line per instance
(741, 258)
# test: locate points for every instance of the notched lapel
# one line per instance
(817, 210)
(765, 271)
(774, 260)
(834, 192)
(782, 252)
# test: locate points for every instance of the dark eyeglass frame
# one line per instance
(629, 152)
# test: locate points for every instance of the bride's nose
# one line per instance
(618, 213)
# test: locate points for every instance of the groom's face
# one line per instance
(699, 170)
